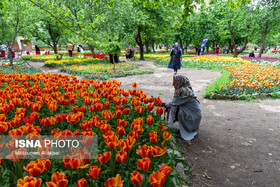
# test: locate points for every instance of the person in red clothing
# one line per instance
(217, 49)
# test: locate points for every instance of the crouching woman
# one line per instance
(184, 108)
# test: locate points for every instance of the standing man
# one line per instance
(69, 48)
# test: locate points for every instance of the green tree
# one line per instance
(14, 21)
(266, 18)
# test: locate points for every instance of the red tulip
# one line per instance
(103, 159)
(157, 179)
(136, 178)
(94, 172)
(82, 183)
(114, 182)
(121, 156)
(165, 169)
(144, 164)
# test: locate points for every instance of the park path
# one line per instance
(238, 142)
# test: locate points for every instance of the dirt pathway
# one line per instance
(238, 142)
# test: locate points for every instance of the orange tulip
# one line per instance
(118, 113)
(114, 182)
(122, 122)
(83, 109)
(29, 119)
(136, 178)
(144, 164)
(126, 111)
(165, 169)
(75, 109)
(140, 109)
(107, 105)
(74, 118)
(37, 167)
(107, 115)
(82, 183)
(45, 122)
(138, 129)
(157, 179)
(126, 144)
(163, 128)
(145, 151)
(103, 159)
(153, 137)
(104, 128)
(159, 110)
(112, 143)
(29, 181)
(166, 135)
(124, 100)
(87, 100)
(15, 133)
(121, 156)
(61, 117)
(94, 172)
(120, 130)
(72, 162)
(58, 180)
(3, 127)
(150, 107)
(117, 100)
(134, 84)
(158, 152)
(52, 106)
(150, 120)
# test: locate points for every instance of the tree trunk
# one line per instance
(187, 44)
(181, 46)
(147, 47)
(263, 44)
(237, 52)
(10, 56)
(230, 46)
(140, 43)
(54, 46)
(92, 50)
(114, 63)
(213, 46)
(167, 47)
(153, 45)
(207, 49)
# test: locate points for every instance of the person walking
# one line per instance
(217, 49)
(37, 49)
(80, 50)
(69, 48)
(175, 61)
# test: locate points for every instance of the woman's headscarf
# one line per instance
(184, 87)
(176, 48)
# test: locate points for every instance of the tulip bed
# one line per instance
(208, 62)
(252, 78)
(239, 77)
(159, 55)
(42, 58)
(55, 63)
(104, 71)
(133, 140)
